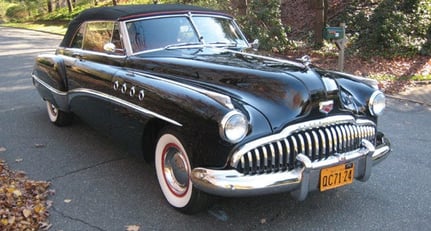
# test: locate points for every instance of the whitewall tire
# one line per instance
(57, 116)
(173, 173)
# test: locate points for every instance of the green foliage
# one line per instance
(17, 12)
(263, 21)
(390, 27)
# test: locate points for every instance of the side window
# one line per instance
(117, 41)
(97, 34)
(77, 41)
(93, 36)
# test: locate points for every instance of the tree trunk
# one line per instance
(70, 6)
(114, 2)
(49, 4)
(319, 9)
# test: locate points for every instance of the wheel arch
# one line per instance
(149, 138)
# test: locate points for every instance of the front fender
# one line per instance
(195, 111)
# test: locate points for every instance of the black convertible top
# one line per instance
(125, 12)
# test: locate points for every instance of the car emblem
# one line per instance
(326, 106)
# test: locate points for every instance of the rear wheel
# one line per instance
(173, 173)
(58, 117)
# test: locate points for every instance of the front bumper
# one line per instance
(298, 181)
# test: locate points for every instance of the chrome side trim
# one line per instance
(108, 97)
(47, 86)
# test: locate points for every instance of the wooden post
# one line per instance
(341, 44)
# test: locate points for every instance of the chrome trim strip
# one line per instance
(47, 86)
(106, 96)
(333, 120)
(299, 181)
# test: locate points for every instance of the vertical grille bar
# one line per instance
(317, 151)
(323, 139)
(288, 152)
(310, 152)
(272, 150)
(280, 155)
(265, 158)
(301, 143)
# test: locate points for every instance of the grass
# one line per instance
(54, 28)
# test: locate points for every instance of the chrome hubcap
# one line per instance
(52, 109)
(175, 170)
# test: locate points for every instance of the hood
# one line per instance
(281, 90)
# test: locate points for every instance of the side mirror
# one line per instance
(255, 44)
(109, 48)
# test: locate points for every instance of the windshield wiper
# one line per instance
(224, 44)
(184, 45)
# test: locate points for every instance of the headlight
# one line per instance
(377, 103)
(234, 127)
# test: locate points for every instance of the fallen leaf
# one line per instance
(39, 208)
(39, 145)
(17, 193)
(26, 212)
(132, 228)
(11, 220)
(4, 221)
(45, 226)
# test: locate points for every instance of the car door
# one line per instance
(90, 69)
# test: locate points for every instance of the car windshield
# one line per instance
(177, 32)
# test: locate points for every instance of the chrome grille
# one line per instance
(317, 143)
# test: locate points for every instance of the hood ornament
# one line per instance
(306, 60)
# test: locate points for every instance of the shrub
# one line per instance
(390, 27)
(16, 13)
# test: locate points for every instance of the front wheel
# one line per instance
(57, 116)
(173, 173)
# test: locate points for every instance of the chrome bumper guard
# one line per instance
(299, 181)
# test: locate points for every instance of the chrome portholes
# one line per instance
(124, 88)
(132, 91)
(116, 85)
(141, 95)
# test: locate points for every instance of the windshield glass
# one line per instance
(160, 32)
(218, 31)
(179, 32)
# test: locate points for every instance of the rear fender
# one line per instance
(49, 77)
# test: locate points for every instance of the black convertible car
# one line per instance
(176, 84)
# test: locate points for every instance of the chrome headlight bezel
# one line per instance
(377, 103)
(234, 127)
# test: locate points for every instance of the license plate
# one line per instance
(337, 176)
